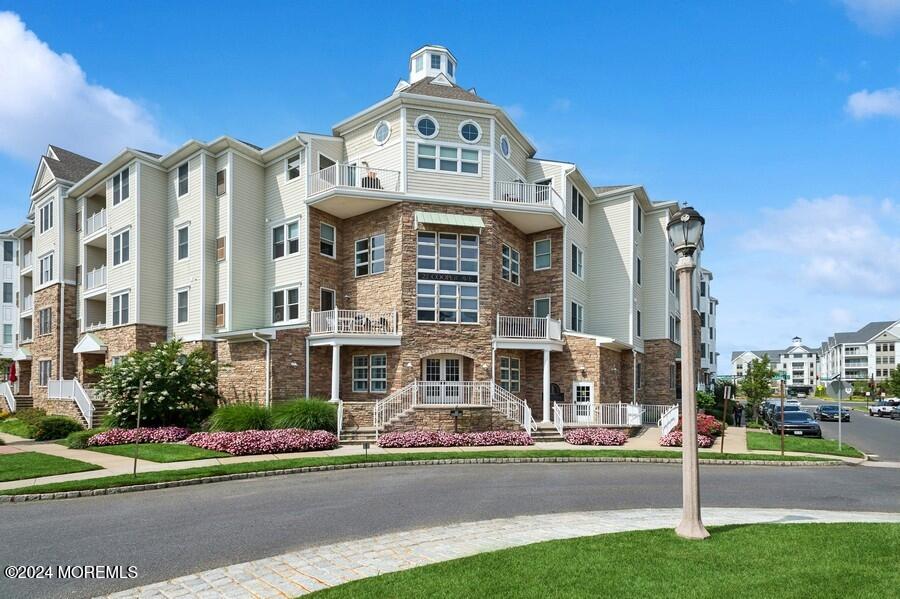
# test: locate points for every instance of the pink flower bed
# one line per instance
(596, 436)
(441, 439)
(118, 436)
(707, 425)
(285, 440)
(673, 439)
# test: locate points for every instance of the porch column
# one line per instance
(546, 385)
(335, 372)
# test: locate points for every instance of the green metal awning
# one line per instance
(452, 220)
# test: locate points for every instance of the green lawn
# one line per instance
(161, 452)
(773, 560)
(14, 426)
(825, 446)
(30, 464)
(263, 466)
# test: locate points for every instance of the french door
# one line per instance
(442, 380)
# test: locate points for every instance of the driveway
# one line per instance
(178, 531)
(879, 437)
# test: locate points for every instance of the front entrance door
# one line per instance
(583, 397)
(442, 380)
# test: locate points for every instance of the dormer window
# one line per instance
(426, 126)
(420, 63)
(435, 61)
(450, 67)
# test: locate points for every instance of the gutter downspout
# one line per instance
(268, 364)
(634, 374)
(306, 390)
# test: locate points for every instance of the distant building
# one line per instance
(867, 354)
(800, 362)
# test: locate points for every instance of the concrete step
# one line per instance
(24, 401)
(358, 436)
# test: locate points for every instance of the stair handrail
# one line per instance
(512, 407)
(340, 418)
(8, 394)
(396, 403)
(558, 418)
(668, 421)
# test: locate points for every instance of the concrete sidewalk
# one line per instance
(301, 572)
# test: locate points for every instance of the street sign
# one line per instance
(727, 391)
(839, 387)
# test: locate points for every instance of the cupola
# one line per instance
(432, 61)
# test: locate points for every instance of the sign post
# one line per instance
(456, 413)
(782, 376)
(726, 391)
(838, 386)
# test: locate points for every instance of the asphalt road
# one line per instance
(173, 532)
(876, 436)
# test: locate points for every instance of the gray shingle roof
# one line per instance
(774, 354)
(863, 334)
(69, 166)
(425, 87)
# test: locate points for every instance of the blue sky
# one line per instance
(778, 120)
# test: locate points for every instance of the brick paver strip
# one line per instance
(307, 570)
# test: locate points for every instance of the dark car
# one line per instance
(801, 424)
(774, 413)
(831, 413)
(895, 413)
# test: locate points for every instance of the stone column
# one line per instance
(335, 372)
(546, 385)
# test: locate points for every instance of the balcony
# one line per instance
(94, 279)
(354, 327)
(28, 303)
(346, 190)
(27, 260)
(95, 222)
(528, 332)
(528, 206)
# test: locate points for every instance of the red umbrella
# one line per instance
(12, 373)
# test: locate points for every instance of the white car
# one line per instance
(883, 407)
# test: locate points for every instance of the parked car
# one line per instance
(830, 412)
(799, 423)
(883, 407)
(895, 413)
(775, 412)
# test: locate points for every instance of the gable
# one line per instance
(43, 177)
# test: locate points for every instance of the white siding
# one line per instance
(656, 276)
(285, 202)
(360, 146)
(577, 289)
(48, 241)
(155, 249)
(185, 274)
(119, 218)
(608, 267)
(517, 155)
(249, 241)
(222, 229)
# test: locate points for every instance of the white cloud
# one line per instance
(881, 102)
(515, 111)
(834, 245)
(561, 105)
(45, 98)
(875, 16)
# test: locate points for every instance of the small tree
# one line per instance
(178, 389)
(757, 383)
(892, 384)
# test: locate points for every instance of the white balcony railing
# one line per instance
(27, 260)
(530, 194)
(95, 222)
(352, 176)
(95, 278)
(93, 326)
(354, 322)
(528, 327)
(28, 303)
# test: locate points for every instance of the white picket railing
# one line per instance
(558, 419)
(95, 222)
(453, 393)
(668, 420)
(7, 392)
(653, 412)
(513, 192)
(95, 278)
(27, 260)
(352, 176)
(340, 418)
(528, 327)
(600, 414)
(28, 303)
(353, 322)
(72, 390)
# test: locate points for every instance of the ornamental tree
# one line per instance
(892, 384)
(179, 389)
(756, 384)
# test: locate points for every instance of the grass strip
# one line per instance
(768, 441)
(161, 452)
(760, 560)
(268, 465)
(31, 464)
(14, 426)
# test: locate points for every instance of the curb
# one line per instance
(307, 469)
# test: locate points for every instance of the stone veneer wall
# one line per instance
(661, 355)
(46, 347)
(438, 418)
(242, 367)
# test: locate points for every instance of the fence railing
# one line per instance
(95, 278)
(340, 418)
(668, 421)
(7, 392)
(72, 390)
(353, 176)
(558, 419)
(512, 192)
(27, 260)
(528, 327)
(95, 222)
(28, 303)
(601, 414)
(353, 322)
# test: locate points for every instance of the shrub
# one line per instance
(309, 414)
(55, 427)
(241, 417)
(442, 439)
(119, 436)
(706, 400)
(257, 442)
(178, 389)
(674, 438)
(79, 439)
(596, 436)
(707, 425)
(30, 416)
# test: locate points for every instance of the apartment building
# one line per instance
(707, 310)
(9, 280)
(420, 254)
(868, 354)
(800, 362)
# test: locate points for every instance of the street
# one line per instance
(879, 437)
(178, 531)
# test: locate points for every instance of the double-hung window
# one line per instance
(542, 250)
(7, 293)
(577, 261)
(509, 267)
(45, 371)
(47, 269)
(577, 317)
(7, 334)
(182, 242)
(8, 251)
(370, 255)
(120, 309)
(360, 374)
(541, 307)
(577, 204)
(45, 321)
(286, 305)
(447, 285)
(121, 247)
(120, 187)
(183, 179)
(181, 306)
(46, 217)
(637, 319)
(671, 279)
(370, 373)
(285, 239)
(638, 275)
(510, 374)
(220, 182)
(448, 159)
(293, 166)
(327, 240)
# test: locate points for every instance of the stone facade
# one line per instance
(242, 367)
(439, 418)
(661, 357)
(119, 341)
(47, 347)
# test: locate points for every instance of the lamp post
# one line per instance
(686, 233)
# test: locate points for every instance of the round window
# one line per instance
(382, 132)
(426, 126)
(470, 131)
(504, 145)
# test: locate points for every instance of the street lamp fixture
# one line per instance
(686, 234)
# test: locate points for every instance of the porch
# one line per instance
(346, 190)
